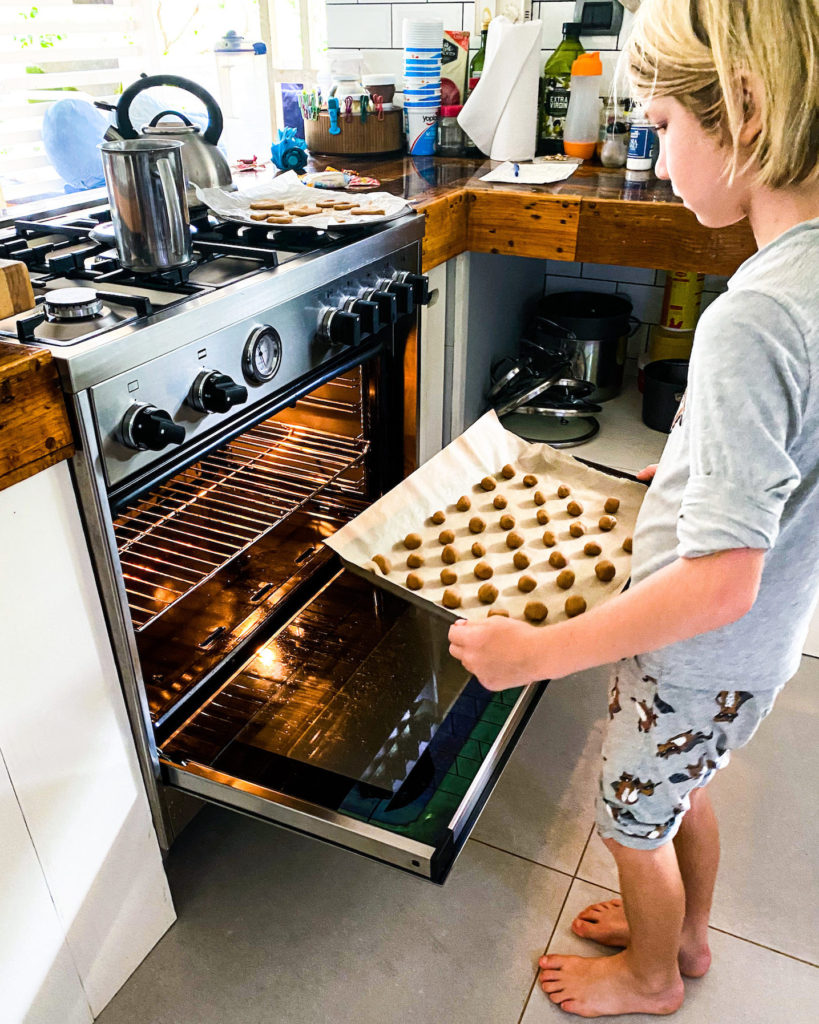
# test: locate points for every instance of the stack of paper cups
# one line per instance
(422, 83)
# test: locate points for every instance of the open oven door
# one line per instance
(353, 724)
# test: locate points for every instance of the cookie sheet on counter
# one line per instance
(482, 451)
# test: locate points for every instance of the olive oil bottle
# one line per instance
(554, 90)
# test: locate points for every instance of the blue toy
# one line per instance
(290, 152)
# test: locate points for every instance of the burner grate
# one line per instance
(188, 528)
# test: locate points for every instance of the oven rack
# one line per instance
(185, 530)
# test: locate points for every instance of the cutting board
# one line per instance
(16, 295)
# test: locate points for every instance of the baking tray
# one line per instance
(481, 451)
(235, 206)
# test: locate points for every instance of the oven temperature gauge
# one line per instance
(262, 355)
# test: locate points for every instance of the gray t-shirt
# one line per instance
(741, 467)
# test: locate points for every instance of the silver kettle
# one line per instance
(203, 163)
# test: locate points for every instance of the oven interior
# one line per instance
(264, 662)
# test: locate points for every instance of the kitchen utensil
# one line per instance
(664, 387)
(146, 188)
(16, 295)
(202, 162)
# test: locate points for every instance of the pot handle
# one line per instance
(126, 128)
(635, 326)
(176, 113)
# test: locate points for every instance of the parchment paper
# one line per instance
(481, 451)
(288, 188)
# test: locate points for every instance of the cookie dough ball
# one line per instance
(549, 539)
(529, 480)
(476, 525)
(438, 517)
(508, 471)
(521, 560)
(604, 571)
(607, 523)
(564, 491)
(577, 529)
(448, 577)
(463, 504)
(383, 563)
(565, 579)
(574, 508)
(557, 559)
(449, 555)
(499, 502)
(451, 599)
(575, 605)
(414, 561)
(612, 504)
(526, 584)
(514, 540)
(484, 571)
(414, 581)
(592, 548)
(487, 593)
(542, 516)
(498, 611)
(478, 550)
(535, 611)
(412, 541)
(446, 536)
(488, 484)
(539, 498)
(627, 545)
(507, 522)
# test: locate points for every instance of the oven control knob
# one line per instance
(340, 327)
(419, 284)
(216, 392)
(404, 297)
(146, 427)
(368, 313)
(387, 304)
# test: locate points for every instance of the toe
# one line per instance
(548, 960)
(580, 927)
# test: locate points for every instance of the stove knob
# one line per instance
(404, 297)
(216, 392)
(368, 313)
(340, 327)
(387, 305)
(420, 287)
(146, 427)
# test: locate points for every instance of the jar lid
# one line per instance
(378, 79)
(588, 64)
(452, 111)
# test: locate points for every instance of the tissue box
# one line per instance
(454, 67)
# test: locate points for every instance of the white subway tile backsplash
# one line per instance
(557, 283)
(358, 25)
(553, 15)
(451, 14)
(384, 62)
(646, 300)
(468, 24)
(566, 269)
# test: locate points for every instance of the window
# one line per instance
(90, 50)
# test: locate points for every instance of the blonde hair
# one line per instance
(705, 52)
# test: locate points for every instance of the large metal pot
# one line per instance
(590, 330)
(203, 163)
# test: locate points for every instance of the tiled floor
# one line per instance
(277, 929)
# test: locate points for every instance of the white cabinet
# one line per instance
(68, 751)
(432, 366)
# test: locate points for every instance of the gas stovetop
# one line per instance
(82, 291)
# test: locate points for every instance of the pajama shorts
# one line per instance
(664, 739)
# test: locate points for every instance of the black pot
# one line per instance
(664, 387)
(590, 330)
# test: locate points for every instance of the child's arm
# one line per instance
(686, 597)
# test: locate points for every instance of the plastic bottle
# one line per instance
(582, 119)
(555, 84)
(476, 65)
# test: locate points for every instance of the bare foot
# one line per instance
(604, 986)
(606, 923)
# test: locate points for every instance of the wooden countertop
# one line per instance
(594, 216)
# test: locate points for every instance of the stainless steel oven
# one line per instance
(220, 441)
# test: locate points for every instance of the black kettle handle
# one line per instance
(127, 130)
(158, 117)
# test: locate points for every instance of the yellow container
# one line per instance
(682, 298)
(666, 343)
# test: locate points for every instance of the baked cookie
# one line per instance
(535, 611)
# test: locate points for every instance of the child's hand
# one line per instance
(648, 472)
(500, 652)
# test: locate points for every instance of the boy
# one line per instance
(726, 563)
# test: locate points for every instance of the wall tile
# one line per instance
(358, 25)
(450, 13)
(647, 301)
(553, 15)
(384, 62)
(715, 283)
(565, 269)
(557, 283)
(636, 275)
(468, 24)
